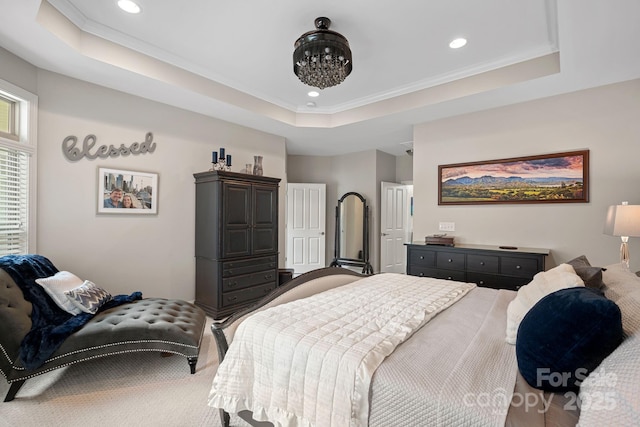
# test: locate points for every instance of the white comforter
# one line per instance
(310, 362)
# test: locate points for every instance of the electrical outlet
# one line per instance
(447, 226)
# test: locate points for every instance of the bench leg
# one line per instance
(192, 364)
(13, 390)
(225, 418)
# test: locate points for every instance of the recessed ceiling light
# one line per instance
(129, 6)
(457, 43)
(313, 93)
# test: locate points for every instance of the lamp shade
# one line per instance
(623, 220)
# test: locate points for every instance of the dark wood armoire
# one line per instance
(236, 242)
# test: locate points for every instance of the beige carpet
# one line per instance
(138, 389)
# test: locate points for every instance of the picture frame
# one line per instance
(546, 178)
(138, 189)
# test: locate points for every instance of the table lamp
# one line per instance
(623, 220)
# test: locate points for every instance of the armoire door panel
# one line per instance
(266, 208)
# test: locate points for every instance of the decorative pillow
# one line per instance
(88, 297)
(618, 281)
(591, 276)
(565, 336)
(56, 286)
(561, 277)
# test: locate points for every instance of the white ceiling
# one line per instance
(232, 59)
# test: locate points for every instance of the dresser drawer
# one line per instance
(450, 260)
(422, 258)
(483, 263)
(514, 283)
(245, 295)
(457, 275)
(437, 273)
(521, 267)
(248, 280)
(234, 268)
(485, 280)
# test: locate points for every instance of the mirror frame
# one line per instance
(364, 262)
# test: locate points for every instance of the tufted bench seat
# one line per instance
(150, 324)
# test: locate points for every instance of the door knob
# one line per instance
(322, 233)
(385, 234)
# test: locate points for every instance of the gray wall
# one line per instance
(150, 253)
(404, 169)
(603, 120)
(360, 172)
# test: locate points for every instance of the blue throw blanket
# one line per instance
(51, 325)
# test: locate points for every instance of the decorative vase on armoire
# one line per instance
(257, 165)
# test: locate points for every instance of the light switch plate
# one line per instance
(447, 226)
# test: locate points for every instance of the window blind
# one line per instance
(14, 198)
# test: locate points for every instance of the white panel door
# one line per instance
(395, 226)
(306, 212)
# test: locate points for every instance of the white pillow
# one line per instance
(56, 286)
(88, 297)
(561, 277)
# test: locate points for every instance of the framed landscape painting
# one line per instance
(547, 178)
(127, 192)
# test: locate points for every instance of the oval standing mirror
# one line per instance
(352, 231)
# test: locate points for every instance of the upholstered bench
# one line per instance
(150, 324)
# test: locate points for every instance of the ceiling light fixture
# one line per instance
(322, 58)
(313, 93)
(457, 43)
(128, 6)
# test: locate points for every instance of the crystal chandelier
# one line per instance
(322, 57)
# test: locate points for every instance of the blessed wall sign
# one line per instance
(75, 153)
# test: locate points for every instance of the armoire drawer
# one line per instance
(248, 280)
(234, 268)
(245, 295)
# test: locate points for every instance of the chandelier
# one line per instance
(322, 57)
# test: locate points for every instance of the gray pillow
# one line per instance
(591, 276)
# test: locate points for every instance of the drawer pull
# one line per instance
(266, 291)
(421, 274)
(481, 282)
(230, 272)
(268, 276)
(232, 284)
(481, 262)
(518, 267)
(233, 298)
(449, 278)
(421, 256)
(449, 260)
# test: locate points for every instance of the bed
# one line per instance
(451, 365)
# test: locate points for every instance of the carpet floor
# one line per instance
(135, 389)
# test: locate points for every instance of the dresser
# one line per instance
(488, 266)
(236, 241)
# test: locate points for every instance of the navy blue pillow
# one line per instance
(565, 336)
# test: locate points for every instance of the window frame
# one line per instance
(14, 117)
(26, 129)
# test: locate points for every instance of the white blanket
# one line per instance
(310, 362)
